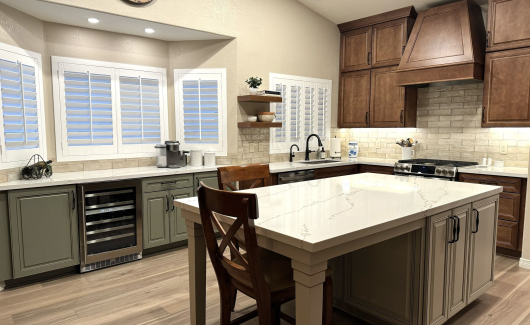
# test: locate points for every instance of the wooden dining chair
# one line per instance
(248, 176)
(259, 273)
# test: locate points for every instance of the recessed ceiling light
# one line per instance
(149, 30)
(93, 20)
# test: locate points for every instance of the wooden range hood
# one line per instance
(447, 43)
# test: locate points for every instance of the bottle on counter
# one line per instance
(321, 153)
(353, 149)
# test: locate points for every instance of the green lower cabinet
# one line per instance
(178, 224)
(6, 272)
(156, 211)
(209, 179)
(44, 231)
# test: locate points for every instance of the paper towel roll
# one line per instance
(335, 148)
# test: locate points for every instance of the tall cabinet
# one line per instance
(371, 49)
(506, 100)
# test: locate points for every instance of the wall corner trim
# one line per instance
(524, 263)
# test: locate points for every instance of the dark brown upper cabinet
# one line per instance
(391, 105)
(354, 99)
(447, 43)
(356, 47)
(508, 24)
(507, 89)
(388, 42)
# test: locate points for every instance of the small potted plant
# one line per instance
(253, 84)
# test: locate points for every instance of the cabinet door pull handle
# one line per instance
(401, 117)
(167, 207)
(457, 228)
(403, 50)
(366, 118)
(488, 39)
(73, 200)
(477, 221)
(483, 114)
(453, 239)
(173, 199)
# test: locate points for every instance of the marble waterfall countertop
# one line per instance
(318, 214)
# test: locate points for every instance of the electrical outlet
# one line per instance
(378, 144)
(504, 148)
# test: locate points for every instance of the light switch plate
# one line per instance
(504, 148)
(378, 144)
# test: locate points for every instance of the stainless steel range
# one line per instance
(430, 168)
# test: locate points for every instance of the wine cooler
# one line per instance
(110, 222)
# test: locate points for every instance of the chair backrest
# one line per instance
(244, 208)
(248, 176)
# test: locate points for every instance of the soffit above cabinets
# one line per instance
(75, 16)
(340, 11)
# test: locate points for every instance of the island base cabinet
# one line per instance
(482, 247)
(44, 230)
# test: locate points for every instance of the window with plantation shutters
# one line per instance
(200, 102)
(21, 126)
(303, 111)
(106, 110)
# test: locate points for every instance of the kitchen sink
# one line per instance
(318, 162)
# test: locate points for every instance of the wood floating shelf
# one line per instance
(259, 99)
(259, 124)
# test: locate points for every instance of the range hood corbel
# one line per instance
(447, 43)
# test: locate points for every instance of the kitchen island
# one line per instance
(319, 221)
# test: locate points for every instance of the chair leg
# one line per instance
(226, 303)
(276, 309)
(233, 297)
(327, 308)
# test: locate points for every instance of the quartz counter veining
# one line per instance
(105, 175)
(317, 214)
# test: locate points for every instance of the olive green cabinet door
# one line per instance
(178, 226)
(156, 209)
(482, 229)
(44, 231)
(209, 179)
(6, 272)
(437, 277)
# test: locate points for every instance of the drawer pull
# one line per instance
(173, 199)
(477, 221)
(453, 239)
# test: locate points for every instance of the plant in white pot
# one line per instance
(253, 84)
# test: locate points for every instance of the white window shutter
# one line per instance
(141, 111)
(201, 110)
(322, 113)
(21, 107)
(88, 110)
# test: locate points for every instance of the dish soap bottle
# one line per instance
(353, 149)
(321, 153)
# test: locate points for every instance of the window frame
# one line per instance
(21, 158)
(62, 150)
(221, 148)
(301, 82)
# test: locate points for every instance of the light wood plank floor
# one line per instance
(155, 291)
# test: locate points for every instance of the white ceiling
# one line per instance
(340, 11)
(62, 14)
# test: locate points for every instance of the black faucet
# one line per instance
(307, 151)
(291, 154)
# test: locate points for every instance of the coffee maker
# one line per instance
(174, 157)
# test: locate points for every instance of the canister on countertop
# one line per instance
(196, 158)
(161, 156)
(209, 158)
(353, 149)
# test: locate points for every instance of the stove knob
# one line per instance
(407, 168)
(444, 171)
(438, 171)
(451, 173)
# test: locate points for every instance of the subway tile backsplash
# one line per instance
(448, 127)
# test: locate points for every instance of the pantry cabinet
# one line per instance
(506, 100)
(508, 26)
(44, 229)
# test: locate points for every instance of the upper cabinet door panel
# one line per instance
(507, 89)
(508, 24)
(354, 99)
(387, 103)
(388, 42)
(356, 49)
(441, 36)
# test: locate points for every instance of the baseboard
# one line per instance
(524, 263)
(2, 285)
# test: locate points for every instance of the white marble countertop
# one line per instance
(280, 167)
(319, 214)
(106, 175)
(496, 171)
